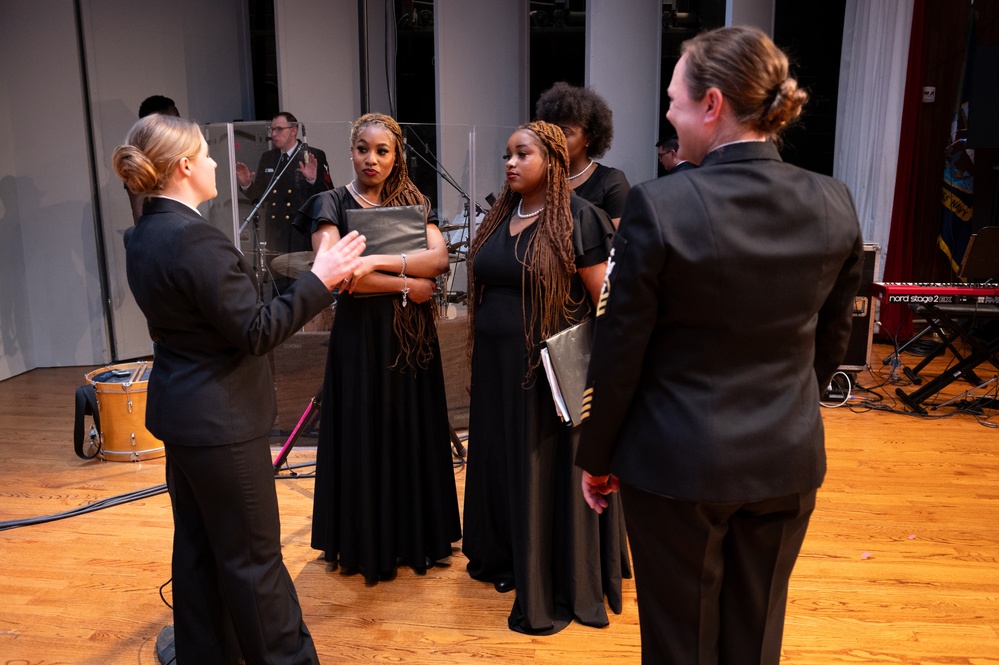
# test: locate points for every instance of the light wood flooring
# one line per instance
(900, 565)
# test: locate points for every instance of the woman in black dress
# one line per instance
(586, 120)
(536, 267)
(385, 491)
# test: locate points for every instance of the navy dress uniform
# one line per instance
(286, 189)
(728, 307)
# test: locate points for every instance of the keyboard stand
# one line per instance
(948, 337)
(954, 321)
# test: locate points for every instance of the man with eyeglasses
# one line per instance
(287, 175)
(669, 155)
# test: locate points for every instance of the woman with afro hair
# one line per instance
(586, 120)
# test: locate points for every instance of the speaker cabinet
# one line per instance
(858, 349)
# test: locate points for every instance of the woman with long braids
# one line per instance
(385, 493)
(536, 267)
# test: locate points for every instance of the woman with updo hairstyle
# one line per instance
(536, 267)
(729, 307)
(586, 120)
(385, 491)
(211, 398)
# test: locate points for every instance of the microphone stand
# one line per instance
(260, 267)
(438, 168)
(443, 173)
(457, 448)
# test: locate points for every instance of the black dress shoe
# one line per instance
(503, 586)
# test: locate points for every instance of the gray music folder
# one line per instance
(566, 359)
(393, 230)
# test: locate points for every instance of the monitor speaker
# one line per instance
(858, 349)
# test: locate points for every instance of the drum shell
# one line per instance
(122, 410)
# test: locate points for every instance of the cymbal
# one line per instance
(260, 251)
(294, 264)
(453, 227)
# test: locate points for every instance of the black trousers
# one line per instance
(227, 558)
(712, 578)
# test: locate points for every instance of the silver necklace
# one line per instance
(528, 215)
(585, 169)
(354, 189)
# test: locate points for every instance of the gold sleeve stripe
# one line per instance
(587, 399)
(602, 303)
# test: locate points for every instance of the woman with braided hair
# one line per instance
(385, 493)
(536, 267)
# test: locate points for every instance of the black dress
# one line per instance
(525, 517)
(385, 492)
(606, 188)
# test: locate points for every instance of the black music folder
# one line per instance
(981, 259)
(393, 230)
(566, 358)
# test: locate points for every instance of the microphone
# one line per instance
(305, 146)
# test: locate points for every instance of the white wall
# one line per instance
(623, 44)
(196, 56)
(319, 73)
(317, 55)
(481, 52)
(51, 313)
(381, 56)
(16, 341)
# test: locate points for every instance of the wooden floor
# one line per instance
(901, 563)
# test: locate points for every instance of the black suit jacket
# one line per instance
(728, 306)
(285, 196)
(211, 381)
(681, 166)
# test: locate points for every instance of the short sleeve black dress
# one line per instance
(525, 518)
(385, 491)
(606, 188)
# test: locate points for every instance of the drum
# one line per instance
(121, 405)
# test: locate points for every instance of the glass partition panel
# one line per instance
(457, 167)
(219, 211)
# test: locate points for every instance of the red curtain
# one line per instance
(896, 320)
